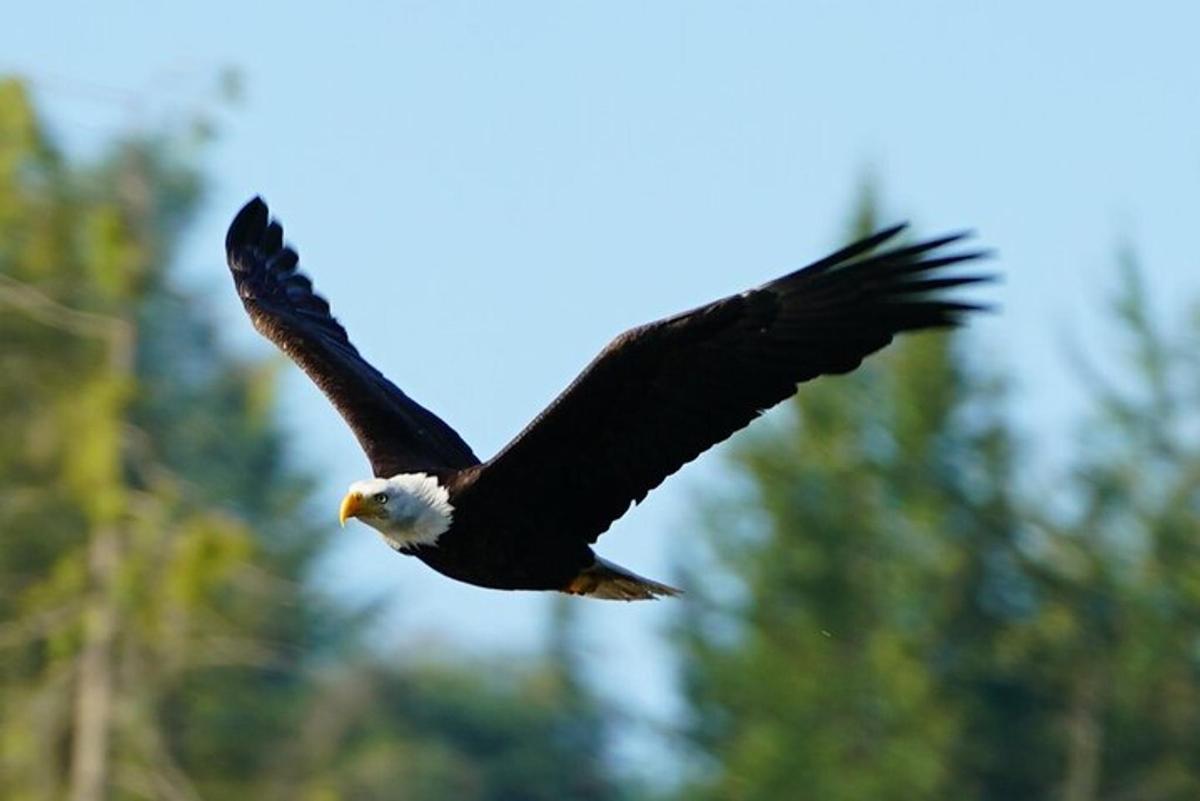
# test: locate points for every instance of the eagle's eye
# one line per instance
(381, 499)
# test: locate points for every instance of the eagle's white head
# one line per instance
(407, 509)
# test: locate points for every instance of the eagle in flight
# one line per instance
(655, 398)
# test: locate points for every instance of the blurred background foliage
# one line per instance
(158, 637)
(887, 607)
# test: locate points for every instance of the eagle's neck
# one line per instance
(418, 513)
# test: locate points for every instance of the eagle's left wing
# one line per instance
(397, 433)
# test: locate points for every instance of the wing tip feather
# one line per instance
(249, 225)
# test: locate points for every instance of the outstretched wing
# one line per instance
(397, 433)
(660, 395)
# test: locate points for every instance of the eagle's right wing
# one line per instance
(662, 394)
(398, 434)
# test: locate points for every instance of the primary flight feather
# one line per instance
(657, 397)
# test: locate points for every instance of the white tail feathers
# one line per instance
(614, 583)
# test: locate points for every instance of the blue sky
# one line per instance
(488, 192)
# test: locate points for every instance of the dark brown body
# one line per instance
(482, 550)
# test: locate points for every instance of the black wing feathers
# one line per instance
(398, 434)
(662, 394)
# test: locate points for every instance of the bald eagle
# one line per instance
(654, 399)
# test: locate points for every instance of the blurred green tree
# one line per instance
(158, 638)
(809, 674)
(154, 535)
(476, 729)
(1117, 643)
(885, 616)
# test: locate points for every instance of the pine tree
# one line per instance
(820, 671)
(153, 531)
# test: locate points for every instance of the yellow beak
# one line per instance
(352, 506)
